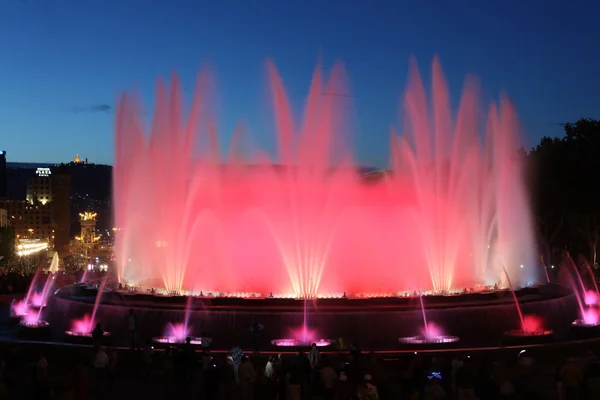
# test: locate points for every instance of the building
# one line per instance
(3, 184)
(30, 221)
(88, 237)
(39, 188)
(45, 213)
(61, 207)
(3, 218)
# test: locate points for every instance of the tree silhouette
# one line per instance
(567, 195)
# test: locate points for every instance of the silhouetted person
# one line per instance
(132, 325)
(300, 373)
(148, 357)
(256, 329)
(211, 378)
(188, 355)
(97, 336)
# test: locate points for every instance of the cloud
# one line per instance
(94, 108)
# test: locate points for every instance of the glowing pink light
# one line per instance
(20, 308)
(455, 203)
(590, 298)
(304, 335)
(84, 326)
(37, 300)
(177, 331)
(591, 317)
(532, 324)
(297, 343)
(31, 318)
(432, 332)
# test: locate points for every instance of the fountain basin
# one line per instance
(83, 337)
(288, 342)
(422, 340)
(34, 325)
(580, 329)
(519, 336)
(34, 329)
(170, 340)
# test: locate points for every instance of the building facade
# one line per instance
(3, 184)
(3, 218)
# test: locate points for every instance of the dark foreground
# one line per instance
(70, 374)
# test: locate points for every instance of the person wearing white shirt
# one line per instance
(101, 359)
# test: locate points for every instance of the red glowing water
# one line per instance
(304, 223)
(532, 324)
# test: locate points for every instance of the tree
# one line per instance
(7, 243)
(568, 186)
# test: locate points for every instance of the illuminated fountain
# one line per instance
(83, 327)
(587, 300)
(430, 333)
(531, 326)
(35, 300)
(178, 333)
(253, 231)
(301, 212)
(302, 337)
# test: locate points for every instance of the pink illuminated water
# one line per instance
(177, 331)
(20, 308)
(37, 299)
(591, 317)
(591, 297)
(83, 326)
(302, 222)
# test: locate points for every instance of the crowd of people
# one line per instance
(187, 372)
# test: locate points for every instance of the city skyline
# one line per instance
(65, 63)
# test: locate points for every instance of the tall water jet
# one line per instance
(460, 211)
(308, 227)
(530, 325)
(430, 332)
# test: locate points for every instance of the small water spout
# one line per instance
(517, 305)
(425, 325)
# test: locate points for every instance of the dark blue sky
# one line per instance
(61, 61)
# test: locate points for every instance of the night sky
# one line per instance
(63, 62)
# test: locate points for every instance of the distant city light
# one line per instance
(43, 172)
(27, 247)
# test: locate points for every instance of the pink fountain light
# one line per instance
(300, 337)
(303, 222)
(37, 300)
(590, 298)
(82, 327)
(20, 308)
(591, 317)
(177, 331)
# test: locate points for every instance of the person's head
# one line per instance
(98, 326)
(188, 340)
(313, 346)
(245, 359)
